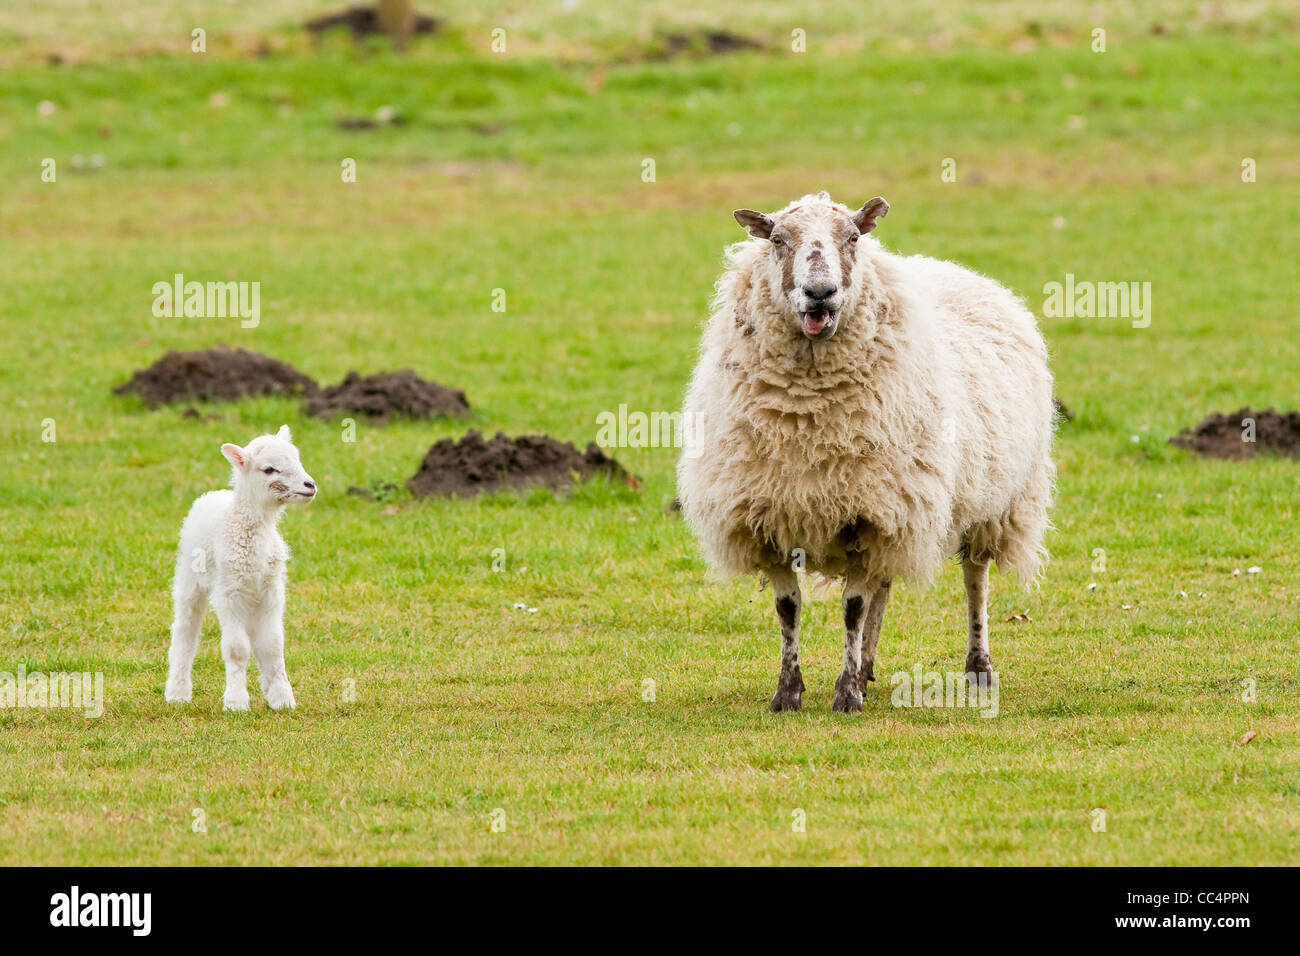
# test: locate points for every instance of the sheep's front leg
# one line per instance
(268, 646)
(976, 576)
(236, 648)
(789, 603)
(871, 634)
(858, 594)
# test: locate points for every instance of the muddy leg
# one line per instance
(871, 634)
(857, 600)
(789, 602)
(976, 575)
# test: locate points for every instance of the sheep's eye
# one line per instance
(853, 238)
(778, 241)
(268, 470)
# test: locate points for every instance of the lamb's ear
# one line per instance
(873, 209)
(235, 455)
(759, 225)
(284, 433)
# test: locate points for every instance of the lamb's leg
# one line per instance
(187, 625)
(268, 646)
(236, 648)
(789, 602)
(976, 576)
(871, 634)
(858, 593)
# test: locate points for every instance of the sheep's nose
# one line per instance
(819, 290)
(309, 485)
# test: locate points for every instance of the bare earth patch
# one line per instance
(474, 465)
(1225, 436)
(386, 395)
(219, 373)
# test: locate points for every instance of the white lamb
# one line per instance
(232, 556)
(864, 414)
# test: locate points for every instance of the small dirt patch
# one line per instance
(1228, 436)
(697, 43)
(386, 395)
(364, 22)
(218, 373)
(475, 465)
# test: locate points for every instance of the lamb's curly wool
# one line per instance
(922, 427)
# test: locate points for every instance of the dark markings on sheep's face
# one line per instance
(813, 248)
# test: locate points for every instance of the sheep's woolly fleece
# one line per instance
(923, 426)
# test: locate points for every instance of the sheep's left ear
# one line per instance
(284, 433)
(873, 209)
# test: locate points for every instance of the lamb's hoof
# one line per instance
(280, 697)
(789, 693)
(179, 695)
(231, 702)
(868, 673)
(979, 670)
(848, 698)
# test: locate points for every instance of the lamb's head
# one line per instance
(268, 470)
(812, 246)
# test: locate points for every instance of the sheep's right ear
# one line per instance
(759, 225)
(235, 455)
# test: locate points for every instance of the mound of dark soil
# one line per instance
(1224, 436)
(385, 395)
(474, 465)
(364, 22)
(218, 373)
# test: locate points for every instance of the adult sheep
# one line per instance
(869, 414)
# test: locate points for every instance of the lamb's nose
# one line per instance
(819, 290)
(309, 485)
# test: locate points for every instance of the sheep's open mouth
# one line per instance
(817, 323)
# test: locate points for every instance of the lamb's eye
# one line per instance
(268, 470)
(853, 238)
(778, 241)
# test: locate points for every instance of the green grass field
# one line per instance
(523, 171)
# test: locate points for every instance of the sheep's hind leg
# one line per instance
(186, 628)
(789, 603)
(858, 594)
(871, 634)
(976, 576)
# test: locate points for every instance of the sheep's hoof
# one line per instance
(234, 703)
(848, 698)
(867, 673)
(979, 670)
(179, 695)
(280, 697)
(789, 693)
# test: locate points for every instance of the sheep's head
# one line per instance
(812, 246)
(268, 470)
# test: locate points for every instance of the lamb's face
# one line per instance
(811, 251)
(269, 469)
